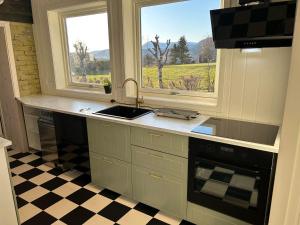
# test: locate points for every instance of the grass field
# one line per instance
(173, 73)
(176, 72)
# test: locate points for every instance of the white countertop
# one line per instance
(4, 143)
(182, 127)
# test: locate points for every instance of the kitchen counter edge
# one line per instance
(86, 108)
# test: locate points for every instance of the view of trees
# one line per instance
(86, 67)
(178, 66)
(161, 57)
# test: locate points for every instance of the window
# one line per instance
(177, 53)
(88, 49)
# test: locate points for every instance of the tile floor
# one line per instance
(50, 196)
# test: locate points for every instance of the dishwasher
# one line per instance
(64, 141)
(48, 139)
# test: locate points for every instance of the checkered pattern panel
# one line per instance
(51, 196)
(261, 20)
(228, 185)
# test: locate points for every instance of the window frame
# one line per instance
(167, 93)
(65, 46)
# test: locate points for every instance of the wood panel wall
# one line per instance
(16, 10)
(255, 85)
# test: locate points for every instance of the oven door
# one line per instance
(238, 192)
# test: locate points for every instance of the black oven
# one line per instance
(233, 180)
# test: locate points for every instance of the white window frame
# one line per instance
(159, 93)
(65, 45)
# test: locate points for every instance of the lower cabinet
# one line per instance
(111, 173)
(161, 191)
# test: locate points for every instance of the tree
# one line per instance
(82, 54)
(161, 57)
(208, 55)
(148, 60)
(174, 55)
(183, 51)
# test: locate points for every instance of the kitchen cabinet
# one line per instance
(31, 117)
(109, 139)
(111, 173)
(160, 190)
(160, 141)
(148, 165)
(161, 162)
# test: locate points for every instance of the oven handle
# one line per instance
(226, 166)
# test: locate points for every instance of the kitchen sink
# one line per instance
(124, 112)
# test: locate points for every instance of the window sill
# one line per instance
(84, 93)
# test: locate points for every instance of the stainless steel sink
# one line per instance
(124, 112)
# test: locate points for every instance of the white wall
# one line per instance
(286, 196)
(254, 86)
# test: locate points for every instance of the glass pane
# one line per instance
(89, 56)
(236, 187)
(177, 49)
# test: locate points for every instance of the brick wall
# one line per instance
(25, 58)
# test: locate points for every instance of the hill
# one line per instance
(195, 49)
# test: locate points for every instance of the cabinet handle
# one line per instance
(106, 160)
(155, 135)
(155, 176)
(156, 156)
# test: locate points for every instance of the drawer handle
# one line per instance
(155, 176)
(156, 156)
(106, 160)
(155, 135)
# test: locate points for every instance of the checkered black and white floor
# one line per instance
(49, 196)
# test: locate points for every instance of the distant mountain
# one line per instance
(195, 49)
(101, 54)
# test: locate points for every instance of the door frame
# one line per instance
(11, 57)
(12, 112)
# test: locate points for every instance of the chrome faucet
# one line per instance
(138, 100)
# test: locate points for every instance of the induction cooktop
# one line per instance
(239, 130)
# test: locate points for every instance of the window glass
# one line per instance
(177, 50)
(88, 45)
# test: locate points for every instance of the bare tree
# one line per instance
(161, 57)
(81, 51)
(208, 56)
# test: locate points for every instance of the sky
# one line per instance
(170, 21)
(91, 29)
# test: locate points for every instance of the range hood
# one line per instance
(254, 26)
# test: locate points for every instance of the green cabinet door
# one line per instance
(164, 192)
(111, 173)
(109, 139)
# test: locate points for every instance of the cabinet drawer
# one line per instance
(163, 192)
(110, 139)
(111, 173)
(161, 162)
(204, 216)
(161, 141)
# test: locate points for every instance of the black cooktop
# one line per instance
(239, 130)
